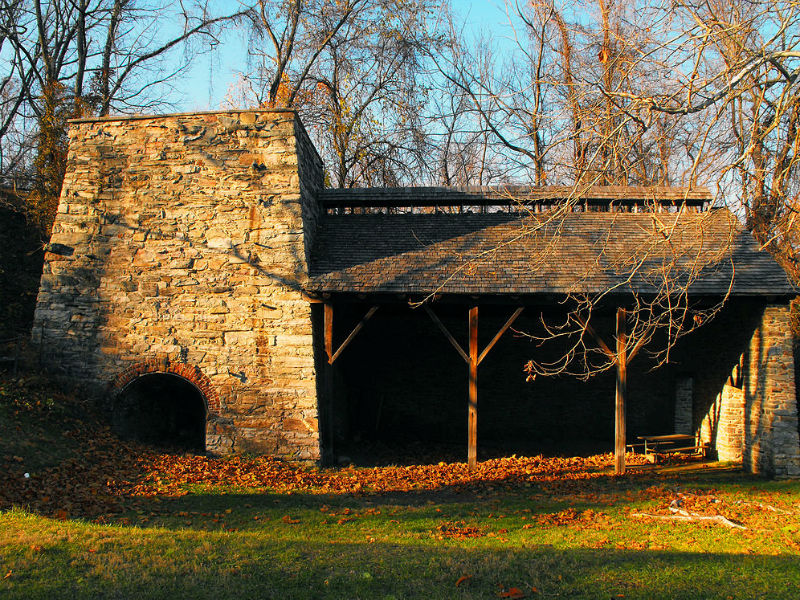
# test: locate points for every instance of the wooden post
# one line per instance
(622, 381)
(472, 417)
(473, 358)
(328, 381)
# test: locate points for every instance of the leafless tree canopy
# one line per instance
(640, 92)
(621, 92)
(398, 92)
(357, 71)
(70, 58)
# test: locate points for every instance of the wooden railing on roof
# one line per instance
(514, 199)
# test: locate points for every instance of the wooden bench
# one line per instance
(658, 446)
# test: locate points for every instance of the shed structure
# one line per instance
(198, 261)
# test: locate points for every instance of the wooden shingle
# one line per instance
(580, 252)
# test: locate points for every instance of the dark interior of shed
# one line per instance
(401, 391)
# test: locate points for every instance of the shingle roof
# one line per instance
(501, 253)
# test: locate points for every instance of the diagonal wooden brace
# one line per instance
(332, 356)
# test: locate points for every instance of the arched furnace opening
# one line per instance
(164, 410)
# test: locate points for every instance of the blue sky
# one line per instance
(210, 76)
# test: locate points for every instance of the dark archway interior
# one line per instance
(163, 410)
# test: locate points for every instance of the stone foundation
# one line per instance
(179, 245)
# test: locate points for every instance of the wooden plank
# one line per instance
(472, 417)
(670, 437)
(619, 405)
(353, 334)
(446, 333)
(328, 331)
(500, 333)
(330, 430)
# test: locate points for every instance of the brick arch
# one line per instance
(190, 373)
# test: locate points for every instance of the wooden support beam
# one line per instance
(636, 347)
(446, 333)
(332, 357)
(622, 382)
(473, 359)
(472, 416)
(328, 331)
(600, 341)
(500, 333)
(329, 391)
(330, 455)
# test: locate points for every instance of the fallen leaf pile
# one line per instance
(84, 485)
(104, 475)
(172, 473)
(568, 516)
(106, 471)
(458, 530)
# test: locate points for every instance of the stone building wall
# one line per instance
(753, 419)
(771, 443)
(179, 247)
(723, 425)
(684, 395)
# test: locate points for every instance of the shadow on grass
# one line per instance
(215, 507)
(194, 565)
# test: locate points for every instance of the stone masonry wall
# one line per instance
(723, 425)
(179, 241)
(771, 443)
(754, 417)
(682, 418)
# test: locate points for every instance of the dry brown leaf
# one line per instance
(512, 593)
(290, 520)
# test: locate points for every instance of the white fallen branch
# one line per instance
(764, 507)
(687, 516)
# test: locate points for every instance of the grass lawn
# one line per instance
(99, 518)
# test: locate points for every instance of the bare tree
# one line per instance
(741, 88)
(355, 70)
(68, 58)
